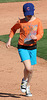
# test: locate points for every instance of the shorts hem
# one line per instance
(24, 60)
(31, 63)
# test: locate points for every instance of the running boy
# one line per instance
(31, 31)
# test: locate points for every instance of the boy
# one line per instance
(31, 31)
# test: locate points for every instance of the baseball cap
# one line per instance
(28, 9)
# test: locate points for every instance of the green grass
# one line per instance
(41, 44)
(3, 1)
(14, 41)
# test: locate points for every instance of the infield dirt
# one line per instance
(11, 68)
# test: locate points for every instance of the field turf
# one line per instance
(5, 1)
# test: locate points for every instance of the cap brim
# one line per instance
(28, 13)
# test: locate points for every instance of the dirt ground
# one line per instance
(11, 68)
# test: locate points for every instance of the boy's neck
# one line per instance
(32, 18)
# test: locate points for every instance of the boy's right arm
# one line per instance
(10, 38)
(8, 43)
(12, 32)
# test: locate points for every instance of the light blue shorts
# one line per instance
(28, 55)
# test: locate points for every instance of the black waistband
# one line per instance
(27, 47)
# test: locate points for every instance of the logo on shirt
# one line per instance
(32, 30)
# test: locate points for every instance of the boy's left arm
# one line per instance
(40, 31)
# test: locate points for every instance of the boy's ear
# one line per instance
(34, 11)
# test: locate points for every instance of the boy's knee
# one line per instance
(30, 69)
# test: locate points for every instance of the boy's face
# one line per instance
(28, 17)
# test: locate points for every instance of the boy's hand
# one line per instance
(8, 43)
(33, 37)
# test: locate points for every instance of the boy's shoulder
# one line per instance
(39, 20)
(21, 20)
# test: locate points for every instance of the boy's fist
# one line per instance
(8, 43)
(33, 37)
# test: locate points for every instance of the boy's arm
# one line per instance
(12, 32)
(39, 31)
(14, 29)
(8, 43)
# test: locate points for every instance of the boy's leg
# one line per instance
(28, 70)
(27, 75)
